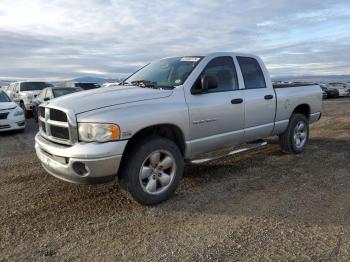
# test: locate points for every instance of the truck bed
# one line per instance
(289, 98)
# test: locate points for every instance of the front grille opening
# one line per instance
(3, 115)
(42, 112)
(4, 126)
(60, 132)
(43, 127)
(58, 115)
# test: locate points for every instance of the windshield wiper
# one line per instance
(147, 83)
(144, 83)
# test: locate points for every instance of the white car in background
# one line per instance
(11, 115)
(343, 88)
(24, 94)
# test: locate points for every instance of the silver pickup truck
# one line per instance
(175, 110)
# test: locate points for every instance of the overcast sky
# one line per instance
(62, 39)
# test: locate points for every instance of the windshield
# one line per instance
(31, 86)
(65, 91)
(168, 73)
(4, 97)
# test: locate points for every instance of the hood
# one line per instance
(84, 101)
(7, 105)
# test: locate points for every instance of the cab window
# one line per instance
(252, 73)
(223, 71)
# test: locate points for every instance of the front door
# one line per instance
(217, 116)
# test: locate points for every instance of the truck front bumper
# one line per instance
(82, 163)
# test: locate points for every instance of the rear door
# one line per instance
(216, 118)
(260, 101)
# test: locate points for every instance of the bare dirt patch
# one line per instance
(260, 205)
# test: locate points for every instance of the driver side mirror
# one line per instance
(206, 83)
(46, 98)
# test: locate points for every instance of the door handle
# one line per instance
(267, 97)
(237, 101)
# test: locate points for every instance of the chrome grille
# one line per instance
(54, 125)
(42, 111)
(58, 115)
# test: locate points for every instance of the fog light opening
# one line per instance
(80, 168)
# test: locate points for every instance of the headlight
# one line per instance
(18, 111)
(93, 132)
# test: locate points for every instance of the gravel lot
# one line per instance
(262, 205)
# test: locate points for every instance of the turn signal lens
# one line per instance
(115, 132)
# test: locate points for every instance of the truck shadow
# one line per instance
(313, 187)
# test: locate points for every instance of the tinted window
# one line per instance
(4, 97)
(223, 70)
(252, 73)
(65, 91)
(30, 86)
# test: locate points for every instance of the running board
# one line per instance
(249, 146)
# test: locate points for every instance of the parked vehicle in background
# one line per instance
(324, 93)
(173, 110)
(85, 86)
(24, 94)
(329, 92)
(11, 115)
(343, 88)
(50, 93)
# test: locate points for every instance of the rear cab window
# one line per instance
(252, 74)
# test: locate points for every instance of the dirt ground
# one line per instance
(262, 205)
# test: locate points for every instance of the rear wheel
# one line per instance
(35, 114)
(152, 170)
(294, 139)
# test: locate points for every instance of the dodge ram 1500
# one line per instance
(172, 111)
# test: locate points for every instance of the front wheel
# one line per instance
(152, 170)
(26, 113)
(295, 138)
(35, 114)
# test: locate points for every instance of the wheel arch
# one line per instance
(303, 109)
(169, 131)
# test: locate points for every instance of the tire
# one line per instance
(26, 113)
(35, 114)
(297, 130)
(148, 178)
